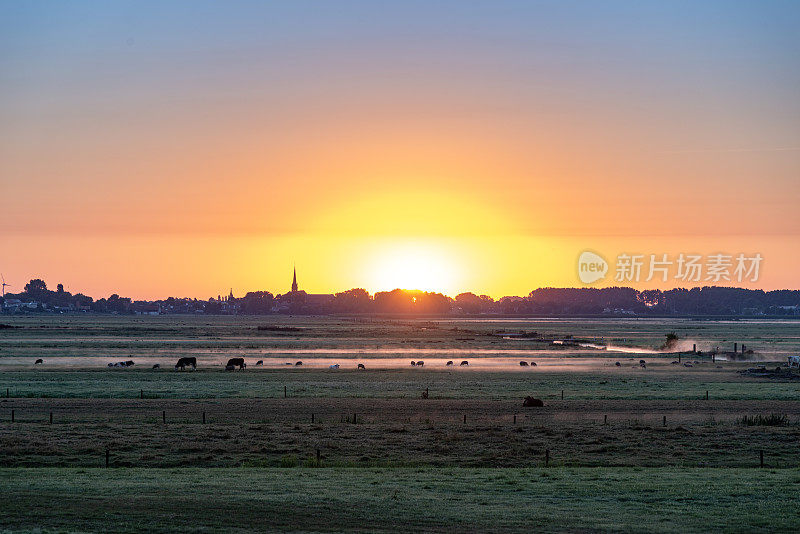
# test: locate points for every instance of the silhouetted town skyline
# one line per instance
(611, 301)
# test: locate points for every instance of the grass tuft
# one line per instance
(764, 420)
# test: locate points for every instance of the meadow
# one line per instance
(394, 447)
(401, 500)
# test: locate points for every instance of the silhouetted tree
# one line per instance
(351, 301)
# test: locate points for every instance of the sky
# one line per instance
(157, 149)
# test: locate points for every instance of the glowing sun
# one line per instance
(413, 265)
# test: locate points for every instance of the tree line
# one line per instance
(700, 301)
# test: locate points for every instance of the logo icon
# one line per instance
(591, 267)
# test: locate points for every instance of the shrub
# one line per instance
(312, 461)
(289, 460)
(772, 419)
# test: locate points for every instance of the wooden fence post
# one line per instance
(164, 416)
(312, 417)
(107, 455)
(51, 418)
(605, 419)
(761, 457)
(547, 457)
(664, 421)
(12, 416)
(204, 417)
(562, 394)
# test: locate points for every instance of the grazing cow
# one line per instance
(642, 362)
(183, 362)
(687, 364)
(794, 361)
(361, 366)
(530, 402)
(420, 363)
(156, 366)
(259, 362)
(298, 363)
(618, 364)
(465, 362)
(236, 362)
(129, 363)
(413, 363)
(643, 365)
(523, 364)
(111, 365)
(450, 362)
(38, 361)
(533, 364)
(334, 366)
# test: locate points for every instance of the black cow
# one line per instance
(260, 362)
(183, 362)
(450, 362)
(530, 402)
(465, 362)
(129, 363)
(413, 363)
(235, 362)
(38, 361)
(361, 366)
(523, 364)
(156, 366)
(618, 364)
(298, 363)
(533, 364)
(420, 363)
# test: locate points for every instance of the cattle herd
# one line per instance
(239, 363)
(128, 363)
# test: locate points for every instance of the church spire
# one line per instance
(294, 279)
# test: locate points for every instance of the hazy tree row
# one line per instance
(543, 301)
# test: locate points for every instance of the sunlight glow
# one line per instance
(413, 265)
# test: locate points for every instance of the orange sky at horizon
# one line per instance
(479, 149)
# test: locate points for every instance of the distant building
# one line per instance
(299, 301)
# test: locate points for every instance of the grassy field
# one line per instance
(409, 500)
(396, 432)
(169, 337)
(626, 448)
(590, 382)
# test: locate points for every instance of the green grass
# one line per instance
(408, 499)
(411, 464)
(665, 383)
